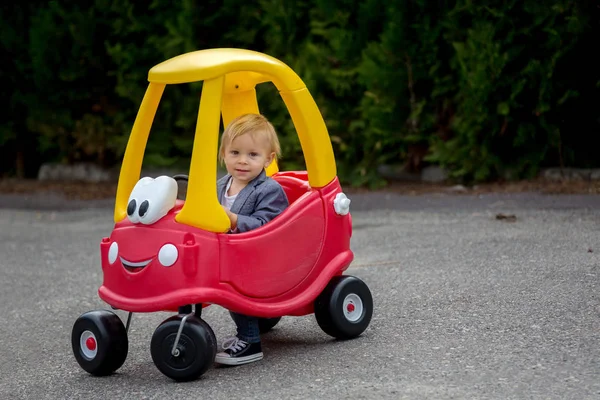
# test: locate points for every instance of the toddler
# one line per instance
(250, 199)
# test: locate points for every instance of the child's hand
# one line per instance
(232, 218)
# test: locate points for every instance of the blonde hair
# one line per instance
(252, 124)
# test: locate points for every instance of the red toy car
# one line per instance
(170, 254)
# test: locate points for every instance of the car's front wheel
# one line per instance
(194, 352)
(99, 342)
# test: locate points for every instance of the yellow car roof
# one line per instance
(208, 64)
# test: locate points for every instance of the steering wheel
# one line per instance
(182, 182)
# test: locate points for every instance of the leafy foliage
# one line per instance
(487, 90)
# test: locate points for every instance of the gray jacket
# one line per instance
(259, 202)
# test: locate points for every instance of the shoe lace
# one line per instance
(234, 343)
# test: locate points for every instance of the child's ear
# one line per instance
(269, 159)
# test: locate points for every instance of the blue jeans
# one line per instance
(247, 327)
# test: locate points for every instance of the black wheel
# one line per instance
(99, 342)
(266, 324)
(195, 351)
(344, 308)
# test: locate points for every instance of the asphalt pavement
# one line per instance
(476, 297)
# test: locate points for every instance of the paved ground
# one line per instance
(467, 306)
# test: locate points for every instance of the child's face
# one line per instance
(247, 156)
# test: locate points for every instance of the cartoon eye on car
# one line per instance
(171, 254)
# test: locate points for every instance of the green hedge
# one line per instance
(486, 91)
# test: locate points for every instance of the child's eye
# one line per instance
(234, 152)
(253, 154)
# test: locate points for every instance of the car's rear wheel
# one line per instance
(344, 308)
(266, 324)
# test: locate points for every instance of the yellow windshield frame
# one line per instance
(230, 77)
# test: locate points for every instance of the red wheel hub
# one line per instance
(91, 343)
(350, 307)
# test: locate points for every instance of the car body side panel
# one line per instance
(273, 259)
